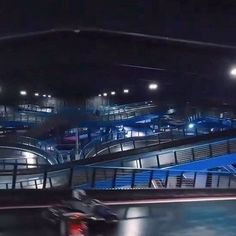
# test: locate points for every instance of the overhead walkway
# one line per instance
(70, 118)
(26, 119)
(115, 109)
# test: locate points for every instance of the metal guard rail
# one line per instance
(117, 178)
(131, 113)
(113, 145)
(180, 156)
(109, 177)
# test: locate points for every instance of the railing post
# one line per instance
(193, 154)
(184, 134)
(181, 179)
(158, 136)
(158, 161)
(27, 166)
(14, 176)
(114, 179)
(140, 162)
(210, 150)
(134, 143)
(167, 177)
(175, 156)
(70, 177)
(229, 181)
(93, 178)
(133, 178)
(150, 179)
(121, 147)
(45, 175)
(35, 182)
(194, 179)
(4, 164)
(218, 181)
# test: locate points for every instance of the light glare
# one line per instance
(153, 86)
(36, 94)
(113, 93)
(233, 72)
(104, 94)
(191, 125)
(23, 93)
(126, 91)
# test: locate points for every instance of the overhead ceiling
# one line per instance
(80, 63)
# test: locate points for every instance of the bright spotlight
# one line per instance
(153, 86)
(23, 93)
(113, 93)
(233, 72)
(44, 95)
(104, 94)
(36, 94)
(49, 96)
(126, 90)
(99, 95)
(191, 126)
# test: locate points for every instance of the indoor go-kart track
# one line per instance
(177, 218)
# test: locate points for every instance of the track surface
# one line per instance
(166, 219)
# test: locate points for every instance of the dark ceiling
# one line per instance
(77, 64)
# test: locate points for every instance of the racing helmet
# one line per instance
(78, 194)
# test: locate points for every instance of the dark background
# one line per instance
(76, 65)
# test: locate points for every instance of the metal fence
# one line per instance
(23, 117)
(24, 155)
(127, 113)
(127, 177)
(163, 159)
(110, 143)
(113, 178)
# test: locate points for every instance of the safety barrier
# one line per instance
(20, 153)
(169, 158)
(124, 114)
(109, 143)
(23, 117)
(126, 177)
(115, 178)
(110, 110)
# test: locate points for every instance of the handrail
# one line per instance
(95, 148)
(209, 145)
(113, 178)
(30, 149)
(121, 177)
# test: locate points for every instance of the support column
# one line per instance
(77, 144)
